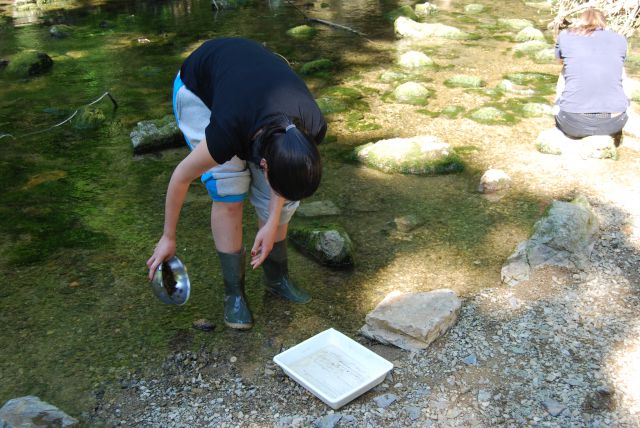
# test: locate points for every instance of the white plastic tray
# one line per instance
(333, 367)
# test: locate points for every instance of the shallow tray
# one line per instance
(333, 367)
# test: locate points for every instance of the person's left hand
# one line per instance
(263, 244)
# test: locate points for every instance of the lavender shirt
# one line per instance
(593, 68)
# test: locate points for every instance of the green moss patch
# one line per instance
(302, 32)
(28, 63)
(316, 67)
(464, 81)
(337, 99)
(406, 11)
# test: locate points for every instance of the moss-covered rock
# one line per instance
(547, 55)
(405, 10)
(474, 8)
(302, 32)
(337, 99)
(489, 115)
(507, 85)
(411, 93)
(316, 66)
(422, 155)
(414, 59)
(529, 33)
(514, 24)
(531, 77)
(154, 135)
(88, 118)
(407, 28)
(28, 63)
(531, 47)
(464, 81)
(393, 76)
(357, 122)
(537, 109)
(452, 112)
(329, 245)
(426, 9)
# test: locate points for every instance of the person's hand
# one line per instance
(263, 244)
(165, 249)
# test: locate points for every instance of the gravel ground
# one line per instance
(562, 349)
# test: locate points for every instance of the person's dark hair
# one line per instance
(294, 167)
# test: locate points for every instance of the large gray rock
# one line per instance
(410, 29)
(317, 209)
(555, 142)
(31, 412)
(563, 238)
(423, 154)
(412, 321)
(331, 246)
(153, 135)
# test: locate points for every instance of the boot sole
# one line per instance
(238, 326)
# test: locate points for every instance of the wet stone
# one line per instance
(422, 155)
(474, 8)
(414, 59)
(529, 33)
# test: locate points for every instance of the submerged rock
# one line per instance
(412, 321)
(529, 33)
(514, 24)
(554, 142)
(422, 155)
(317, 209)
(474, 8)
(494, 180)
(60, 31)
(331, 246)
(316, 66)
(564, 238)
(411, 93)
(414, 59)
(29, 63)
(153, 135)
(302, 32)
(407, 28)
(425, 9)
(30, 411)
(464, 81)
(88, 118)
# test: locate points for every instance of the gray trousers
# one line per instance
(580, 125)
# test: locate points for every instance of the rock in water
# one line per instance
(153, 135)
(30, 411)
(412, 321)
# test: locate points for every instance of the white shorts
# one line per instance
(231, 181)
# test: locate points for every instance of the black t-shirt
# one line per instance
(246, 86)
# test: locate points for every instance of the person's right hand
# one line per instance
(165, 249)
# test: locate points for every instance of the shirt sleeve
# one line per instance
(219, 142)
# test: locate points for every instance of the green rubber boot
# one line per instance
(236, 312)
(276, 275)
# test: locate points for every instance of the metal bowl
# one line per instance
(171, 283)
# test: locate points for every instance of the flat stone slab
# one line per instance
(31, 412)
(555, 142)
(563, 238)
(412, 321)
(422, 155)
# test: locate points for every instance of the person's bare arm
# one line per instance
(191, 167)
(266, 236)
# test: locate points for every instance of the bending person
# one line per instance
(592, 101)
(253, 127)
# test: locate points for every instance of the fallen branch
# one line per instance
(325, 22)
(106, 94)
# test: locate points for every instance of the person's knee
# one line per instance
(227, 209)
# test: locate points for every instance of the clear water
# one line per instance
(80, 214)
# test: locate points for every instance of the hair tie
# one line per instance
(289, 127)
